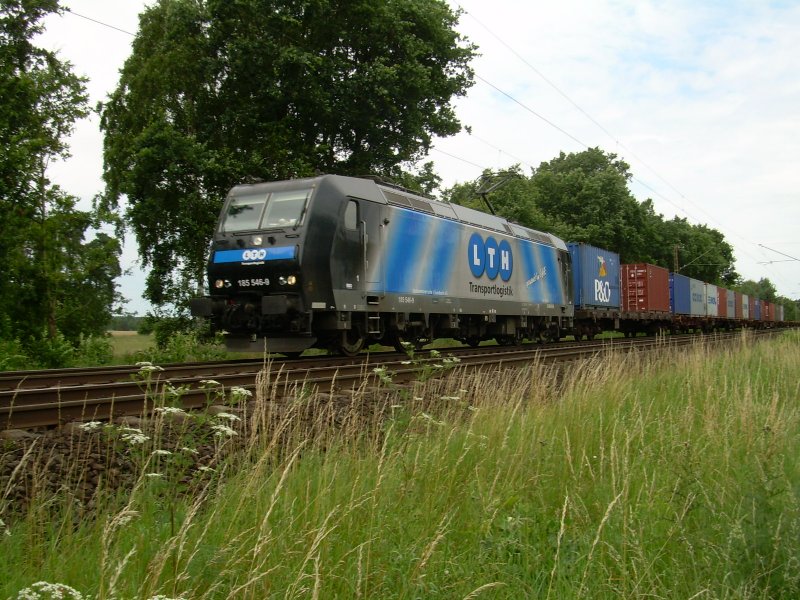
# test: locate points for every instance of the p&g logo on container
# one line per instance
(255, 254)
(489, 257)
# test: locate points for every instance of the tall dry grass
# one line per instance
(668, 475)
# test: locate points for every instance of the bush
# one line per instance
(13, 356)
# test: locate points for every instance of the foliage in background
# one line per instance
(58, 270)
(217, 92)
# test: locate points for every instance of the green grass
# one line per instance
(668, 477)
(126, 344)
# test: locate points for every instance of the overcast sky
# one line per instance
(702, 99)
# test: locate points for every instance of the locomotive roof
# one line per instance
(383, 193)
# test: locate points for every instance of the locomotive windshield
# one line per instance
(265, 210)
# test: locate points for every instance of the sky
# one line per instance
(702, 99)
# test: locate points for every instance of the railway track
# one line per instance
(31, 399)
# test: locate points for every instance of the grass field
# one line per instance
(127, 343)
(672, 476)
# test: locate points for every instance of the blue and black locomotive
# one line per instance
(340, 262)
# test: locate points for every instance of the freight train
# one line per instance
(340, 262)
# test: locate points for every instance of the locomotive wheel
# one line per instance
(401, 343)
(351, 343)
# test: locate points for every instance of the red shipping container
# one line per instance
(768, 311)
(739, 312)
(645, 288)
(722, 308)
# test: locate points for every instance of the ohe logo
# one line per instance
(257, 254)
(489, 257)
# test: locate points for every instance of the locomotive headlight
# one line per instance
(291, 280)
(219, 284)
(257, 240)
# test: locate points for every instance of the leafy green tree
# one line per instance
(763, 289)
(509, 193)
(702, 252)
(586, 195)
(216, 92)
(55, 285)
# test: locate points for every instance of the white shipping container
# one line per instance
(745, 306)
(712, 300)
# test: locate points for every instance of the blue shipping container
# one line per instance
(687, 296)
(595, 276)
(757, 304)
(731, 299)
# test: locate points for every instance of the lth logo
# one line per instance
(489, 257)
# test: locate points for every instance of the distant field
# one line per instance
(127, 343)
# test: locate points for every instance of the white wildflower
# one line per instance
(91, 425)
(42, 590)
(189, 450)
(4, 528)
(209, 383)
(144, 363)
(135, 439)
(405, 362)
(130, 429)
(451, 360)
(161, 452)
(150, 369)
(228, 416)
(239, 393)
(170, 410)
(438, 366)
(223, 431)
(205, 469)
(153, 475)
(435, 354)
(379, 370)
(450, 398)
(418, 398)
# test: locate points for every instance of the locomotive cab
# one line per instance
(254, 267)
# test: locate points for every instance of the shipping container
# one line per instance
(645, 288)
(722, 306)
(755, 309)
(779, 314)
(595, 276)
(746, 307)
(730, 304)
(687, 295)
(712, 300)
(768, 309)
(738, 308)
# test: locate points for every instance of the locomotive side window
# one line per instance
(351, 215)
(244, 212)
(285, 209)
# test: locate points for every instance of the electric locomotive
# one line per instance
(340, 262)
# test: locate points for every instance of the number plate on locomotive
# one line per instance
(253, 282)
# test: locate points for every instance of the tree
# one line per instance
(216, 92)
(53, 281)
(763, 289)
(586, 195)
